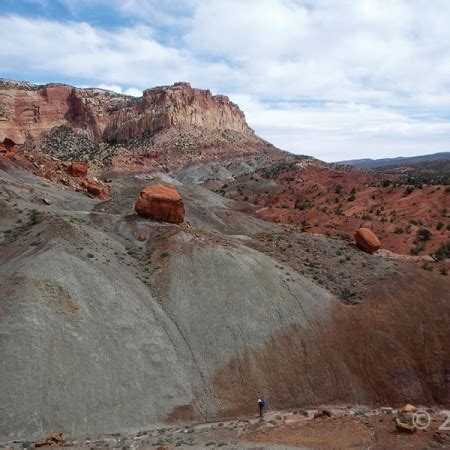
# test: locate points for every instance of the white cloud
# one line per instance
(376, 71)
(336, 131)
(116, 88)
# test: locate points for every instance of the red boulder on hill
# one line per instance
(367, 240)
(78, 169)
(160, 202)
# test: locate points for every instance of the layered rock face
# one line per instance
(30, 112)
(177, 105)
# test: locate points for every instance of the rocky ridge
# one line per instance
(30, 111)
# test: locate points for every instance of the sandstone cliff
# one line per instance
(29, 112)
(177, 105)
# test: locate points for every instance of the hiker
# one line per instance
(261, 405)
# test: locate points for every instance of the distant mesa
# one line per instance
(369, 163)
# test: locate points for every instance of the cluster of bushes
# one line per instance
(443, 252)
(424, 234)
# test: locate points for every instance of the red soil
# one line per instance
(338, 201)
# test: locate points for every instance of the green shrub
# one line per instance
(34, 217)
(305, 225)
(424, 234)
(442, 252)
(417, 249)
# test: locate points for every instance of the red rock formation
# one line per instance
(367, 240)
(177, 105)
(78, 169)
(161, 202)
(30, 111)
(95, 190)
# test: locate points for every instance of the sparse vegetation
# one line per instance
(442, 252)
(34, 217)
(417, 249)
(424, 234)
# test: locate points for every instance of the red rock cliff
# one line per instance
(29, 111)
(177, 105)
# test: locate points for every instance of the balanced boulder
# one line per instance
(367, 240)
(160, 202)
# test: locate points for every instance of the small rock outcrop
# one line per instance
(95, 190)
(78, 169)
(367, 240)
(57, 439)
(161, 202)
(404, 427)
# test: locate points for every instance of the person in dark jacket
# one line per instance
(261, 405)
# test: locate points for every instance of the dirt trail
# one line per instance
(349, 427)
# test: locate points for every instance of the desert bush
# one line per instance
(424, 234)
(34, 217)
(442, 252)
(417, 249)
(305, 225)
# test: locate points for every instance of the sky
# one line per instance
(336, 79)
